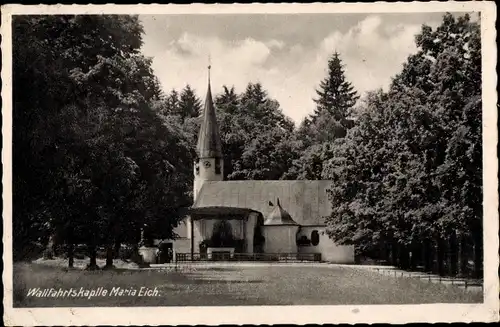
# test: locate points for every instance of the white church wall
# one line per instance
(280, 239)
(330, 251)
(197, 234)
(182, 244)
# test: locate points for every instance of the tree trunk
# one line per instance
(415, 257)
(453, 253)
(463, 256)
(394, 253)
(70, 245)
(403, 257)
(428, 254)
(435, 256)
(71, 255)
(440, 256)
(92, 250)
(109, 256)
(49, 249)
(478, 255)
(117, 250)
(387, 253)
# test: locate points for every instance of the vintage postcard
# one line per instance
(250, 164)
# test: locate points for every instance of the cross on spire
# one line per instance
(209, 67)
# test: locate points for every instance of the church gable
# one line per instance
(306, 201)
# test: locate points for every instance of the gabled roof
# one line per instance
(279, 216)
(306, 201)
(209, 142)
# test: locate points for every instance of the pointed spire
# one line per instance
(209, 143)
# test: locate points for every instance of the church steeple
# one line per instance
(209, 164)
(209, 143)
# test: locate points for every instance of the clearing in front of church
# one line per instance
(238, 285)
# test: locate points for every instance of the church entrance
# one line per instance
(222, 234)
(222, 242)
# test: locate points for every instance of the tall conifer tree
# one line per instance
(336, 96)
(189, 103)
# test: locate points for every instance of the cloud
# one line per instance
(275, 44)
(185, 60)
(372, 51)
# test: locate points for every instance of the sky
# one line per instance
(287, 53)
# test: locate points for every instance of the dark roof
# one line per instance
(279, 216)
(306, 201)
(209, 143)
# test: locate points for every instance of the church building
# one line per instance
(252, 217)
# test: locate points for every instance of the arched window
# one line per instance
(314, 237)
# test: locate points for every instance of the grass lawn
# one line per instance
(272, 285)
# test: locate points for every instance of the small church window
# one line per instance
(217, 166)
(197, 169)
(314, 237)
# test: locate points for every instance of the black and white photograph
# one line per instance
(229, 158)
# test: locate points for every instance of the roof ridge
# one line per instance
(306, 201)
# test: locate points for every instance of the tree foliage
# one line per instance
(255, 133)
(408, 171)
(92, 160)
